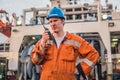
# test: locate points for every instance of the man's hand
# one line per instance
(44, 39)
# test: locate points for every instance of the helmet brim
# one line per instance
(55, 17)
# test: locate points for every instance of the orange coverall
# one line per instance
(59, 64)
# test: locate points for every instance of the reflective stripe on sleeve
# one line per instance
(90, 63)
(73, 42)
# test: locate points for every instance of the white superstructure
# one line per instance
(91, 21)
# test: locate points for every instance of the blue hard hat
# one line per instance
(55, 12)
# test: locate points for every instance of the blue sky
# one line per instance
(18, 5)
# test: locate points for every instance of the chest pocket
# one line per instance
(69, 52)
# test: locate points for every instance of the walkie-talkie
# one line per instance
(49, 33)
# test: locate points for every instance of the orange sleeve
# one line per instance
(89, 55)
(36, 56)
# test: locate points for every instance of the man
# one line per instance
(58, 58)
(13, 19)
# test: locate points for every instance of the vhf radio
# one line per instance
(49, 33)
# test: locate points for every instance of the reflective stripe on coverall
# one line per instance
(59, 64)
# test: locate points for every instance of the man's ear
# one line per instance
(63, 21)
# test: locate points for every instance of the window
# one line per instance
(77, 9)
(70, 2)
(4, 47)
(78, 16)
(85, 9)
(69, 10)
(69, 17)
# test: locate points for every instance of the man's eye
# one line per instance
(50, 22)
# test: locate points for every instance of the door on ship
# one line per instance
(3, 67)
